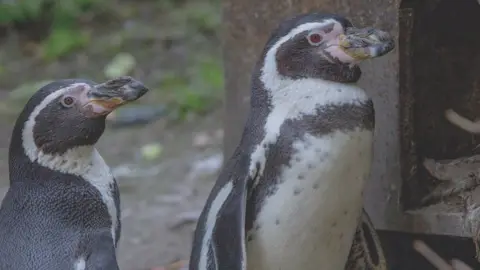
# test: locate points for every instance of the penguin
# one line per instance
(290, 196)
(62, 208)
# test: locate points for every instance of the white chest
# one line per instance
(102, 179)
(310, 221)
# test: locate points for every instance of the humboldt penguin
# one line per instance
(62, 209)
(290, 197)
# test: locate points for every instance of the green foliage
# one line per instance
(203, 16)
(190, 87)
(32, 10)
(198, 92)
(211, 73)
(65, 35)
(63, 40)
(17, 11)
(68, 10)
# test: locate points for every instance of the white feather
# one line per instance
(316, 226)
(80, 264)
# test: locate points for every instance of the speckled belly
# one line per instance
(309, 222)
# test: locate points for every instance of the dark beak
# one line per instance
(106, 97)
(366, 43)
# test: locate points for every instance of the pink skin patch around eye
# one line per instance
(332, 44)
(91, 107)
(104, 107)
(97, 108)
(80, 93)
(334, 49)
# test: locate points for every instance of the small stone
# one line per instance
(151, 151)
(218, 134)
(201, 139)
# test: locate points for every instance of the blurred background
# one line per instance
(165, 149)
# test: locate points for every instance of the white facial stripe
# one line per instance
(270, 76)
(215, 207)
(29, 145)
(83, 161)
(244, 245)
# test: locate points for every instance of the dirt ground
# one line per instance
(160, 198)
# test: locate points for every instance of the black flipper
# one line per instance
(219, 241)
(229, 232)
(366, 252)
(99, 253)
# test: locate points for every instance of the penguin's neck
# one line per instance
(274, 93)
(289, 100)
(333, 84)
(30, 163)
(306, 95)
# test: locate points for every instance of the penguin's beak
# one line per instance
(365, 43)
(106, 97)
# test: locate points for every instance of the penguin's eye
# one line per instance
(314, 38)
(68, 101)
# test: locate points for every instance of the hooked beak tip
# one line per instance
(136, 90)
(363, 44)
(106, 97)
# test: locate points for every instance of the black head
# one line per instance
(321, 45)
(69, 113)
